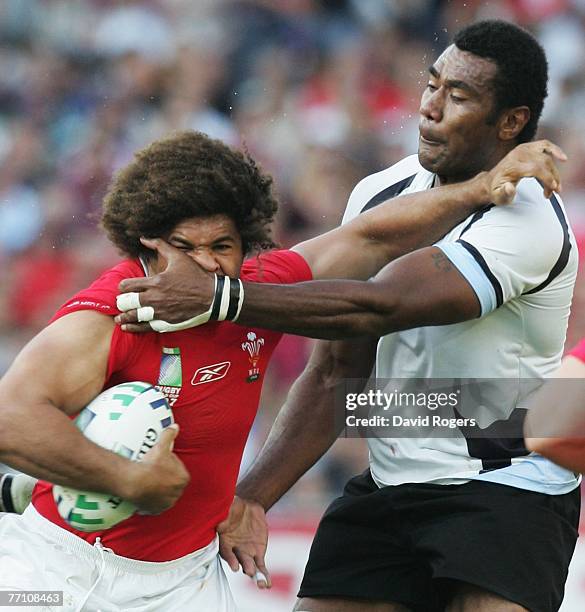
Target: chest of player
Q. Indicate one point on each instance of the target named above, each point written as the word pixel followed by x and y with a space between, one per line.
pixel 212 376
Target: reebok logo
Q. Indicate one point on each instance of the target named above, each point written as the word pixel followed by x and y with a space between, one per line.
pixel 210 373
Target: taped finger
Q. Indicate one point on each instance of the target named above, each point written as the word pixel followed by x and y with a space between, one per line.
pixel 128 301
pixel 260 577
pixel 145 314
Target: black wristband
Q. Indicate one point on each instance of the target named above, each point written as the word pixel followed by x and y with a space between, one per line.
pixel 234 299
pixel 216 304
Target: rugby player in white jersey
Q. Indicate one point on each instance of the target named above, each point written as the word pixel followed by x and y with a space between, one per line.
pixel 456 523
pixel 219 205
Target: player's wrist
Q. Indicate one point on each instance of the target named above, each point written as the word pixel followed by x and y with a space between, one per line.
pixel 228 297
pixel 132 481
pixel 481 189
pixel 253 496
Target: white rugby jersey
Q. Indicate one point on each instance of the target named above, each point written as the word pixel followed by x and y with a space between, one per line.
pixel 521 260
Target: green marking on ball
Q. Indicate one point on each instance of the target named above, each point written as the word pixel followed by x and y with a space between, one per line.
pixel 83 504
pixel 114 416
pixel 125 399
pixel 138 388
pixel 81 520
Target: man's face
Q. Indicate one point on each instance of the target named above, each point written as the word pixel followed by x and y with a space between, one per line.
pixel 455 140
pixel 213 242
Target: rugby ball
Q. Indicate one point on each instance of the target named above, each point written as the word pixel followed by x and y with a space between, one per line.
pixel 128 420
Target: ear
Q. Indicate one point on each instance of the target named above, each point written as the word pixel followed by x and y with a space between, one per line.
pixel 512 122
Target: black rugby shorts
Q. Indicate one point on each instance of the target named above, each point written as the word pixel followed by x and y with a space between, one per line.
pixel 413 543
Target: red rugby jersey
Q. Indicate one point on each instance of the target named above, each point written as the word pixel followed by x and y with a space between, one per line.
pixel 212 376
pixel 579 350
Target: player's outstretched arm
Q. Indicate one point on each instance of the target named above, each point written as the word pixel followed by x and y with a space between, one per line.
pixel 303 431
pixel 58 373
pixel 419 289
pixel 360 248
pixel 363 246
pixel 555 423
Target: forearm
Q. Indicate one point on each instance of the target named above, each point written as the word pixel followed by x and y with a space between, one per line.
pixel 301 434
pixel 415 220
pixel 318 309
pixel 422 288
pixel 43 442
pixel 306 426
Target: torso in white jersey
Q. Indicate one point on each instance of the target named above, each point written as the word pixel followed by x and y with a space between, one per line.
pixel 521 260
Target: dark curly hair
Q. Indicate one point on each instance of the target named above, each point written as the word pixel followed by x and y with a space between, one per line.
pixel 522 75
pixel 183 176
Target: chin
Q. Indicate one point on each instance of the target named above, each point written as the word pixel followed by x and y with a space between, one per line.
pixel 428 162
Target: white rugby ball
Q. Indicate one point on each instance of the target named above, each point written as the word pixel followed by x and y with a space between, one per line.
pixel 128 420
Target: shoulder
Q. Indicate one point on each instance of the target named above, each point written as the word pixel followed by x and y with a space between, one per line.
pixel 527 245
pixel 101 294
pixel 382 185
pixel 531 219
pixel 280 266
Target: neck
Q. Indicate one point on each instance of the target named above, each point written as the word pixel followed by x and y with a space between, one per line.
pixel 499 152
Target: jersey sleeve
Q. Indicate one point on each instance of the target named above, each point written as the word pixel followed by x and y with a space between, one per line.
pixel 579 351
pixel 509 251
pixel 279 267
pixel 101 294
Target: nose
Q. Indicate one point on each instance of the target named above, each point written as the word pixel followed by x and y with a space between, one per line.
pixel 206 259
pixel 431 105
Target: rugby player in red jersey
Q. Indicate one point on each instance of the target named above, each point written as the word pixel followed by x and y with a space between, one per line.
pixel 215 205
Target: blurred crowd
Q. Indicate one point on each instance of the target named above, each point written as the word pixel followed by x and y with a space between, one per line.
pixel 321 92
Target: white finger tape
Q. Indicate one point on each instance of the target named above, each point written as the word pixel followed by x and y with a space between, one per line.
pixel 145 314
pixel 128 301
pixel 258 576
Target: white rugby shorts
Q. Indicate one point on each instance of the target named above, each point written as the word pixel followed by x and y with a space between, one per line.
pixel 36 554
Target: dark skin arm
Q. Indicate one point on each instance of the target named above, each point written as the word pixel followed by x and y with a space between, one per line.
pixel 306 421
pixel 419 289
pixel 356 250
pixel 303 431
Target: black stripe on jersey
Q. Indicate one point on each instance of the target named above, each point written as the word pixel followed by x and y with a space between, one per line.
pixel 389 192
pixel 483 265
pixel 498 443
pixel 477 216
pixel 565 251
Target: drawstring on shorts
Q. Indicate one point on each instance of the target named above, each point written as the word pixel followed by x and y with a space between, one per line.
pixel 102 549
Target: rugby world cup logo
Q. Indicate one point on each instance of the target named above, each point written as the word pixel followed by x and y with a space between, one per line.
pixel 252 347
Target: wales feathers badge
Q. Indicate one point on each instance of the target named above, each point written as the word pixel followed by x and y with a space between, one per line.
pixel 252 346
